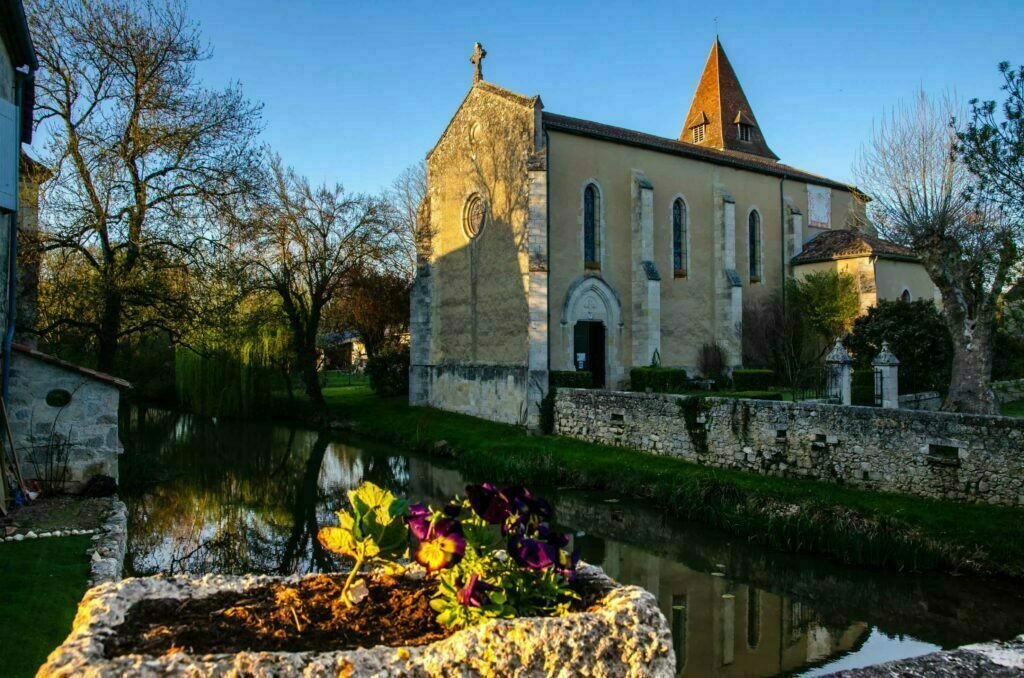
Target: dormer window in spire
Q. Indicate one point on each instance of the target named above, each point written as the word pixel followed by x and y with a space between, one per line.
pixel 699 127
pixel 744 127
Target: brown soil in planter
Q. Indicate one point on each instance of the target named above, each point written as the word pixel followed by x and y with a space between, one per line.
pixel 306 617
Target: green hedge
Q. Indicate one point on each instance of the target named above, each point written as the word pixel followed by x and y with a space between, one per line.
pixel 658 379
pixel 752 380
pixel 756 395
pixel 571 379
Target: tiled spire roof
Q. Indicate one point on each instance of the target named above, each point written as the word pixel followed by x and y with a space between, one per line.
pixel 720 104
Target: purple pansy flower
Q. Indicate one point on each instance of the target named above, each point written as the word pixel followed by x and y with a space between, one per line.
pixel 532 554
pixel 442 546
pixel 472 594
pixel 489 503
pixel 418 520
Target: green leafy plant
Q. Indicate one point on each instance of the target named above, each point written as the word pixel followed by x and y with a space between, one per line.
pixel 493 553
pixel 388 372
pixel 917 335
pixel 373 529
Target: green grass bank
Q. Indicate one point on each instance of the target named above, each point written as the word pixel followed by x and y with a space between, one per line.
pixel 43 580
pixel 852 526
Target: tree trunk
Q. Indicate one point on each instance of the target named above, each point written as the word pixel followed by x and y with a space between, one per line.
pixel 970 385
pixel 110 331
pixel 311 379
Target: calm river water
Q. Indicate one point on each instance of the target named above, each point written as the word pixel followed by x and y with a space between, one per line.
pixel 227 497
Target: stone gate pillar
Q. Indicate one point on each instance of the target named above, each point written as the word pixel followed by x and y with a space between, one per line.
pixel 838 373
pixel 887 388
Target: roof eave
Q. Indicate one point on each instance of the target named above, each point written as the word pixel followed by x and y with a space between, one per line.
pixel 704 154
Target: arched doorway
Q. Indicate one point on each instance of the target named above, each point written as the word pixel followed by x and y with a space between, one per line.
pixel 589 349
pixel 592 327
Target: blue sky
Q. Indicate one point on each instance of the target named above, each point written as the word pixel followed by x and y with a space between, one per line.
pixel 357 91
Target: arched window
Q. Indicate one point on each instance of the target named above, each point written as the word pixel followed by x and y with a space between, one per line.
pixel 906 296
pixel 754 245
pixel 591 219
pixel 679 237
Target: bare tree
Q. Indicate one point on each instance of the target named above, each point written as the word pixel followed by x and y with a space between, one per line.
pixel 406 195
pixel 925 196
pixel 140 153
pixel 303 244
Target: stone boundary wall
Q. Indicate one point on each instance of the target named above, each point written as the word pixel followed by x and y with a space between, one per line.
pixel 927 400
pixel 1009 391
pixel 106 557
pixel 938 455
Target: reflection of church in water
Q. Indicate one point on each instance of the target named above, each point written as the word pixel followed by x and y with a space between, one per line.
pixel 724 628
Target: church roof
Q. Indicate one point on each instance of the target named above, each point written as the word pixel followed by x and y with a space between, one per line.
pixel 720 105
pixel 596 130
pixel 847 244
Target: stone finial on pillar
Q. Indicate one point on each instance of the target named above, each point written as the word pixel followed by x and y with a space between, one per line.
pixel 838 374
pixel 887 388
pixel 478 62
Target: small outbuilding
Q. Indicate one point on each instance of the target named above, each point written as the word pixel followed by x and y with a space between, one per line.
pixel 63 418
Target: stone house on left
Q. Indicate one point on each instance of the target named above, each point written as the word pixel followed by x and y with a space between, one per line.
pixel 49 405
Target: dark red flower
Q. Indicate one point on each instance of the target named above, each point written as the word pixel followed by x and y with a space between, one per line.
pixel 472 594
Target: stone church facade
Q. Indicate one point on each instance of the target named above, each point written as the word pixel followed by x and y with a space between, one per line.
pixel 556 243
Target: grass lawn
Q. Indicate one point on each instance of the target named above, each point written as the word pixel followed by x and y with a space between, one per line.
pixel 854 526
pixel 1014 409
pixel 43 580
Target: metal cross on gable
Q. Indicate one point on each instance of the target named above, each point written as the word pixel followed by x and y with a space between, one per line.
pixel 478 61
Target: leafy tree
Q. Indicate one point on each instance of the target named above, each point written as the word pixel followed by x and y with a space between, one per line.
pixel 917 335
pixel 924 194
pixel 827 302
pixel 141 154
pixel 993 148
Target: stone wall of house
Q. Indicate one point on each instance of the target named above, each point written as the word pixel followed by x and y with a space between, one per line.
pixel 1009 391
pixel 86 426
pixel 932 454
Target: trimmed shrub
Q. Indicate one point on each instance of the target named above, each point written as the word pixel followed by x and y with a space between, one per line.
pixel 570 379
pixel 752 380
pixel 389 372
pixel 756 395
pixel 658 379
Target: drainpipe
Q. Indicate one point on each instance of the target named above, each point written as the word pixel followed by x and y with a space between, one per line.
pixel 782 239
pixel 547 198
pixel 12 248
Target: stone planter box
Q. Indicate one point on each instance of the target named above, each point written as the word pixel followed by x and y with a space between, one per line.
pixel 624 634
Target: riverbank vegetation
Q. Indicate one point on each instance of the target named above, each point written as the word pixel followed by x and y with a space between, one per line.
pixel 852 526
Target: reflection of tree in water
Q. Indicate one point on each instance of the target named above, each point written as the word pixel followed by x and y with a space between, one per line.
pixel 230 497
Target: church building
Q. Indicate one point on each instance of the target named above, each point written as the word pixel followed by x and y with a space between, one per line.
pixel 555 243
